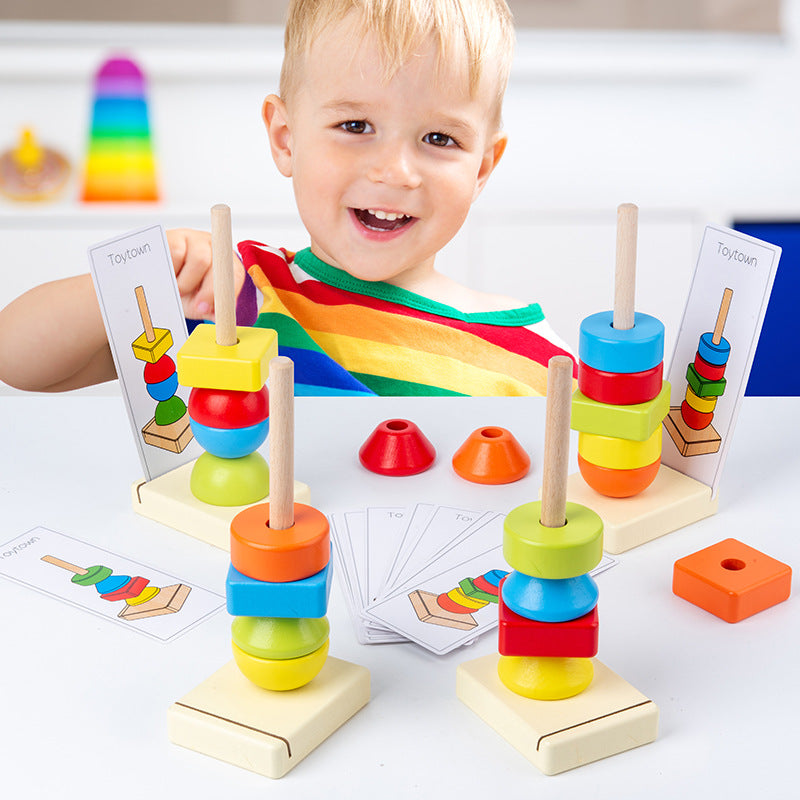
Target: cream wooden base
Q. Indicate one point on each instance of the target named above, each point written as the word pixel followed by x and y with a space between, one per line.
pixel 229 718
pixel 168 499
pixel 557 735
pixel 672 501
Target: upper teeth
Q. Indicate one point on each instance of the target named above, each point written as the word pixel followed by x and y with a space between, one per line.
pixel 390 215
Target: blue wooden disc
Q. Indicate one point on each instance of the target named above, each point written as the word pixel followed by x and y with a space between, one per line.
pixel 603 347
pixel 111 583
pixel 230 442
pixel 163 390
pixel 716 354
pixel 547 599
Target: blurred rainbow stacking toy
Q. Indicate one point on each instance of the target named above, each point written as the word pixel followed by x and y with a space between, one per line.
pixel 120 166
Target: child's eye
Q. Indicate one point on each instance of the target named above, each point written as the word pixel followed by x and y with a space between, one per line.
pixel 439 139
pixel 356 126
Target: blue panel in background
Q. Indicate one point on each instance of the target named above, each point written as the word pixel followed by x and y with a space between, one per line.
pixel 776 367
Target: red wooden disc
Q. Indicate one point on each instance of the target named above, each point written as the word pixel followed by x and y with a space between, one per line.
pixel 711 372
pixel 620 388
pixel 484 585
pixel 448 604
pixel 160 371
pixel 228 408
pixel 697 420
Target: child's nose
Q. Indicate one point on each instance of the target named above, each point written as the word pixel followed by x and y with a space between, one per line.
pixel 395 165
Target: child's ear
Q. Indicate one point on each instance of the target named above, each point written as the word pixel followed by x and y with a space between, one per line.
pixel 276 120
pixel 491 156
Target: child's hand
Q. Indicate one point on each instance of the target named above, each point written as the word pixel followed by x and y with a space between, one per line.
pixel 191 259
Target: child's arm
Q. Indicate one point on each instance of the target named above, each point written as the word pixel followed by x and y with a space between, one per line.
pixel 52 338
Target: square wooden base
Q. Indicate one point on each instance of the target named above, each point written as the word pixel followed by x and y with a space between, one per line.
pixel 428 610
pixel 689 441
pixel 557 735
pixel 168 499
pixel 672 501
pixel 229 718
pixel 173 437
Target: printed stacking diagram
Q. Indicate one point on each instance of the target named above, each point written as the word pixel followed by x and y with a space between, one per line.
pixel 281 696
pixel 169 429
pixel 120 166
pixel 689 425
pixel 618 411
pixel 545 693
pixel 454 609
pixel 141 599
pixel 226 367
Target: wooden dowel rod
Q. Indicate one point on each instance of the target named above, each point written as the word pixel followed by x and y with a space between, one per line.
pixel 625 273
pixel 281 443
pixel 144 313
pixel 556 442
pixel 64 565
pixel 722 315
pixel 222 260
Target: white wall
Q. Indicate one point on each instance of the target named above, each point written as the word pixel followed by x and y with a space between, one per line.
pixel 694 129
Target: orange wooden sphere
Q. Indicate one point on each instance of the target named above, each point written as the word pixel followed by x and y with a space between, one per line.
pixel 618 482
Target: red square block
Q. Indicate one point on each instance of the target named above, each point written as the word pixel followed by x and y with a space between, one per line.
pixel 731 580
pixel 520 636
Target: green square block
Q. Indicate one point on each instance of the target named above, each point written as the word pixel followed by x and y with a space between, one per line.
pixel 243 366
pixel 703 387
pixel 635 422
pixel 471 590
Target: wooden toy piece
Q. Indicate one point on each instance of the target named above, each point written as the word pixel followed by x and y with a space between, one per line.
pixel 556 446
pixel 168 499
pixel 731 580
pixel 521 636
pixel 615 453
pixel 230 443
pixel 224 291
pixel 220 481
pixel 281 445
pixel 397 447
pixel 620 388
pixel 491 456
pixel 545 677
pixel 548 600
pixel 223 408
pixel 230 718
pixel 307 597
pixel 636 422
pixel 609 717
pixel 625 273
pixel 695 439
pixel 31 172
pixel 618 482
pixel 270 637
pixel 428 609
pixel 672 501
pixel 280 674
pixel 608 349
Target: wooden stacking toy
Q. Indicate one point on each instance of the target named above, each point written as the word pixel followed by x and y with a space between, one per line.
pixel 281 696
pixel 689 425
pixel 621 398
pixel 141 599
pixel 545 693
pixel 169 429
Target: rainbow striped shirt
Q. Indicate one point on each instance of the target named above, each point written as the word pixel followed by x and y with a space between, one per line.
pixel 352 337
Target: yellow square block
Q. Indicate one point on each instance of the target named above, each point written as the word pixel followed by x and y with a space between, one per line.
pixel 636 422
pixel 152 351
pixel 609 717
pixel 243 366
pixel 231 719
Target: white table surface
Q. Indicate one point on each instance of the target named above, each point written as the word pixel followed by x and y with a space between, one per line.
pixel 83 701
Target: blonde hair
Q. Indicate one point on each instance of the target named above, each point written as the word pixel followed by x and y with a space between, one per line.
pixel 480 30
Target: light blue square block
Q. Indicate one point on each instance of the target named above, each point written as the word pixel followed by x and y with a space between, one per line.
pixel 308 597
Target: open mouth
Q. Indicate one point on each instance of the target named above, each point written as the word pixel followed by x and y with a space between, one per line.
pixel 377 220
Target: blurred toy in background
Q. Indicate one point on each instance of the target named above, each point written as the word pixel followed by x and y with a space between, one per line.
pixel 32 172
pixel 120 165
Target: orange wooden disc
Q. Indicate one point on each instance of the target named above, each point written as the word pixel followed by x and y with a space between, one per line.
pixel 618 482
pixel 279 556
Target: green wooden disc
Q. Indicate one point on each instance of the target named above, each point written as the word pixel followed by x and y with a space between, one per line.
pixel 271 637
pixel 169 411
pixel 93 575
pixel 230 481
pixel 566 552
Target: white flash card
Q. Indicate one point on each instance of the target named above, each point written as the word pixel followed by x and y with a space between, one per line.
pixel 144 321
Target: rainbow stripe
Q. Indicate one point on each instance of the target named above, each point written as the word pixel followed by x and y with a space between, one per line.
pixel 353 337
pixel 120 165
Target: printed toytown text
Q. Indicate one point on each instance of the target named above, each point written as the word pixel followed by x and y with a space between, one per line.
pixel 129 254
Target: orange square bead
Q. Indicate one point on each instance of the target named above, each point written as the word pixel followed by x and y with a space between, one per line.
pixel 731 580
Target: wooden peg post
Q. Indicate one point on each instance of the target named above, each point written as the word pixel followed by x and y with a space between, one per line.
pixel 65 564
pixel 144 313
pixel 556 442
pixel 722 316
pixel 281 443
pixel 625 275
pixel 222 259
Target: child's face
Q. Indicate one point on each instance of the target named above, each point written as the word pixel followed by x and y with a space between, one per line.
pixel 384 173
